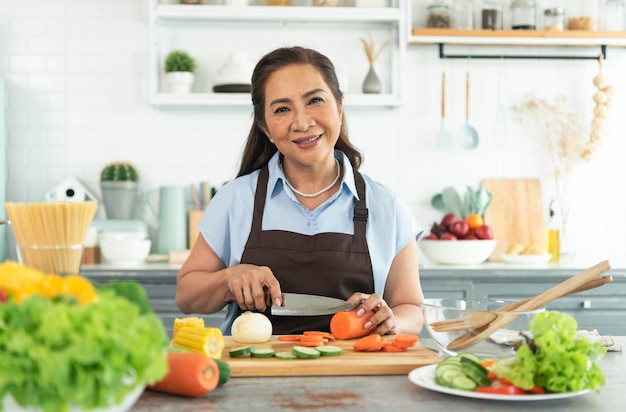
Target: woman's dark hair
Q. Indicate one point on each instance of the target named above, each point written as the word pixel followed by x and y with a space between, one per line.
pixel 259 150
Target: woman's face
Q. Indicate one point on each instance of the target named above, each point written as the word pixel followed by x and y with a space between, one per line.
pixel 301 115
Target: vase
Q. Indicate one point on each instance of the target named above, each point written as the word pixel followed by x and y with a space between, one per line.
pixel 372 82
pixel 563 207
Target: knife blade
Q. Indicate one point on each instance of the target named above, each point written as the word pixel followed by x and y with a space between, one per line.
pixel 296 304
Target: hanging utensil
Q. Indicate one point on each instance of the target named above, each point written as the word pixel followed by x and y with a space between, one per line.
pixel 444 139
pixel 468 136
pixel 499 125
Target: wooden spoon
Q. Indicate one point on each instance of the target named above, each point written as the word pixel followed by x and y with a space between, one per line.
pixel 471 338
pixel 472 321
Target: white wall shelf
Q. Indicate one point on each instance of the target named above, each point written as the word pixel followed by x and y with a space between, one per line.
pixel 358 20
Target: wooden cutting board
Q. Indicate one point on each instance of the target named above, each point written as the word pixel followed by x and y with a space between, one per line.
pixel 515 214
pixel 348 363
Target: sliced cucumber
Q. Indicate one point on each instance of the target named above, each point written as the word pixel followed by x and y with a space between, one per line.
pixel 241 351
pixel 469 356
pixel 475 371
pixel 302 352
pixel 447 377
pixel 263 353
pixel 329 350
pixel 463 383
pixel 285 355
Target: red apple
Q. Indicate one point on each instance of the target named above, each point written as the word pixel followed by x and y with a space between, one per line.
pixel 460 229
pixel 470 237
pixel 448 236
pixel 449 219
pixel 484 232
pixel 432 236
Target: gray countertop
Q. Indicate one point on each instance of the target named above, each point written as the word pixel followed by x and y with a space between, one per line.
pixel 377 393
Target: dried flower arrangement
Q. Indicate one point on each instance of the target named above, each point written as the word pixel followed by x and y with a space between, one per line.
pixel 565 137
pixel 370 48
pixel 562 130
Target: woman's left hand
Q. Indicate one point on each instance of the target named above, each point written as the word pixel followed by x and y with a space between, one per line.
pixel 384 318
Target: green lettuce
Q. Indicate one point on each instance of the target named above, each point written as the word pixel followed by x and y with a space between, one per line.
pixel 554 359
pixel 54 353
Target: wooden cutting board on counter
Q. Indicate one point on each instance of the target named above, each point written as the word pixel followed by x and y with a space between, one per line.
pixel 515 214
pixel 348 363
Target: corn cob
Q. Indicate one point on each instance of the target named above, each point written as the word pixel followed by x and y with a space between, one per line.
pixel 191 321
pixel 21 282
pixel 207 341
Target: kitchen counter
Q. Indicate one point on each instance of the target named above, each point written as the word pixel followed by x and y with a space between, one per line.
pixel 376 393
pixel 603 308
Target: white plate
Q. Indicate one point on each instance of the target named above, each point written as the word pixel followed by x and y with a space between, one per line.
pixel 526 259
pixel 425 377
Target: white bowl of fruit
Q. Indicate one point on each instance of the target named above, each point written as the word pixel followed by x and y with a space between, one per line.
pixel 459 241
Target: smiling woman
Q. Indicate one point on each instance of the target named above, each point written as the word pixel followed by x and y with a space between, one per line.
pixel 301 218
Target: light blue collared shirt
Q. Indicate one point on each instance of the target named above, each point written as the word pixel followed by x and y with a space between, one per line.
pixel 228 218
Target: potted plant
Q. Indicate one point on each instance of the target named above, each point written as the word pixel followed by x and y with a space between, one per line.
pixel 119 182
pixel 179 71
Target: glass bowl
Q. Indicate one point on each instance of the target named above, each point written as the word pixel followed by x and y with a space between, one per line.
pixel 501 343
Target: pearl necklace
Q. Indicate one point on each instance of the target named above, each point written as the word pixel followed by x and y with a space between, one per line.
pixel 326 189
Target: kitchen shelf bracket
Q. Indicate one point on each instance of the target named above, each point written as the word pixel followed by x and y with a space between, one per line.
pixel 443 55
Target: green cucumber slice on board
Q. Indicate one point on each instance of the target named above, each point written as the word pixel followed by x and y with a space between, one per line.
pixel 241 351
pixel 285 355
pixel 263 353
pixel 329 350
pixel 303 352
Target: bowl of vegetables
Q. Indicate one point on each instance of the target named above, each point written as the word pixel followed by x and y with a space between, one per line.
pixel 72 346
pixel 449 320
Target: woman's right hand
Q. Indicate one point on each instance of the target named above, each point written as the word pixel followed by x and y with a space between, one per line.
pixel 252 287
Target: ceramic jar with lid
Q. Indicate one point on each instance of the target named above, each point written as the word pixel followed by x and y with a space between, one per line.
pixel 583 15
pixel 491 15
pixel 524 15
pixel 615 15
pixel 463 14
pixel 554 19
pixel 438 15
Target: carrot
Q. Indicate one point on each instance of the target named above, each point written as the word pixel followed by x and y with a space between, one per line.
pixel 392 348
pixel 367 342
pixel 347 325
pixel 289 338
pixel 311 338
pixel 376 347
pixel 311 343
pixel 190 374
pixel 405 338
pixel 326 335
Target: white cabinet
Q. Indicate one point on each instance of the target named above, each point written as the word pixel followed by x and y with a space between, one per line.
pixel 211 33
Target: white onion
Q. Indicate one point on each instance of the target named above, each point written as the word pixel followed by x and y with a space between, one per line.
pixel 251 327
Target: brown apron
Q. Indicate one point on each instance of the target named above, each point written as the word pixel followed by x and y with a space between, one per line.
pixel 326 264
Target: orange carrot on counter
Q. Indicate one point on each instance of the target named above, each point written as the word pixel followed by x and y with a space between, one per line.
pixel 347 325
pixel 190 374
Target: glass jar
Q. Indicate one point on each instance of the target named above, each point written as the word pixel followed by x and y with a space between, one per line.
pixel 583 15
pixel 554 19
pixel 463 15
pixel 524 15
pixel 491 15
pixel 615 15
pixel 438 15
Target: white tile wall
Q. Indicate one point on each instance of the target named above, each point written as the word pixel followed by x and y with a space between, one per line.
pixel 77 75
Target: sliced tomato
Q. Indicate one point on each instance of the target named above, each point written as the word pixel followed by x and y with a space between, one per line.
pixel 537 390
pixel 501 390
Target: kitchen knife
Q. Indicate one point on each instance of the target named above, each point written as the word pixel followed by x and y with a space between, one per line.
pixel 296 304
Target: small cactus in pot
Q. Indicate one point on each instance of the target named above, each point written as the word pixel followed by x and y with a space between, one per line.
pixel 119 182
pixel 119 171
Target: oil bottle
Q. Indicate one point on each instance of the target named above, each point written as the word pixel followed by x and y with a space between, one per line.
pixel 552 234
